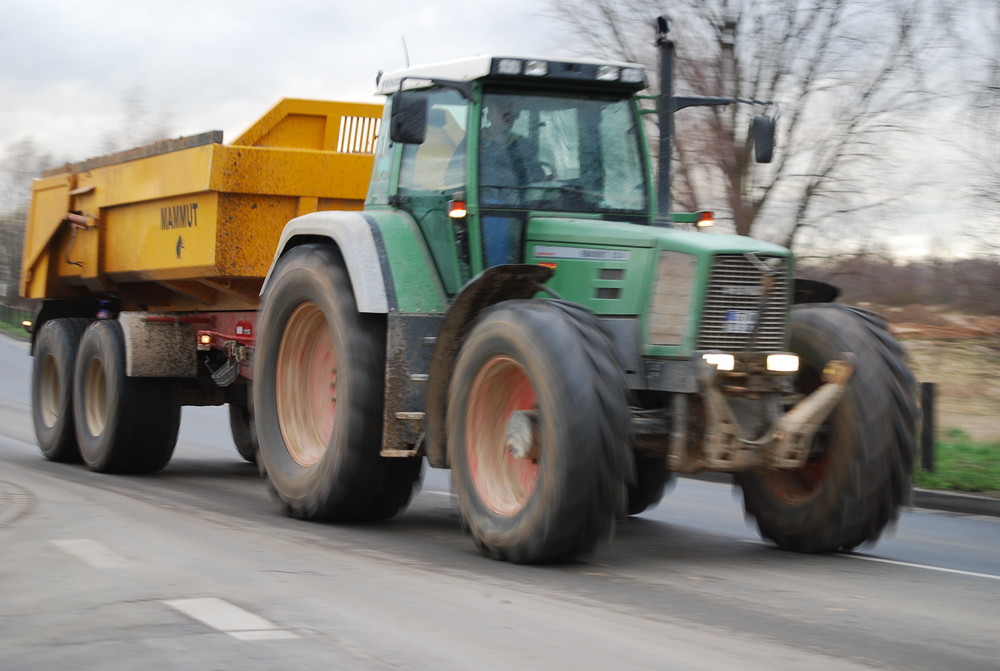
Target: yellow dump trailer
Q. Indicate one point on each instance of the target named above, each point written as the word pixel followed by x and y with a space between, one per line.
pixel 192 224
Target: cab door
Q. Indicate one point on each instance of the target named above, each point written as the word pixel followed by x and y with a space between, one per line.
pixel 432 179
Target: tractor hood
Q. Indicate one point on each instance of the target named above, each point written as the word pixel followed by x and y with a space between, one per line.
pixel 589 233
pixel 619 270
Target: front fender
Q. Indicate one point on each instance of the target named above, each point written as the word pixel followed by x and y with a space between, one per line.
pixel 352 233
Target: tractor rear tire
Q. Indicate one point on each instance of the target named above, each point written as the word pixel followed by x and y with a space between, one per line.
pixel 52 387
pixel 317 396
pixel 123 424
pixel 538 432
pixel 858 474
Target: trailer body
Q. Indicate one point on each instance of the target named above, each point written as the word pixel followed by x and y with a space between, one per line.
pixel 192 223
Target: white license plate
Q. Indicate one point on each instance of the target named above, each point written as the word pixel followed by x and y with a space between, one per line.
pixel 740 321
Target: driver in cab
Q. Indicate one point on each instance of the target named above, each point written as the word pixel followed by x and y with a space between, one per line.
pixel 506 159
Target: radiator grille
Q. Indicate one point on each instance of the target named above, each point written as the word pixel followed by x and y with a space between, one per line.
pixel 733 300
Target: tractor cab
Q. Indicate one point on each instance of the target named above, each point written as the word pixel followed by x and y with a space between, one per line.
pixel 478 148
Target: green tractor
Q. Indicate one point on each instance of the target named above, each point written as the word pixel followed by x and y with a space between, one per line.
pixel 514 303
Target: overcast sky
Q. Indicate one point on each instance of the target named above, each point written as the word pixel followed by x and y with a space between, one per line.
pixel 66 66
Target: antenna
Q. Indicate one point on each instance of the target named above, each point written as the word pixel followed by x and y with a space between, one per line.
pixel 406 52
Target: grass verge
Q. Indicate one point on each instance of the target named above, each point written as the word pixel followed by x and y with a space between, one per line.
pixel 14 330
pixel 962 464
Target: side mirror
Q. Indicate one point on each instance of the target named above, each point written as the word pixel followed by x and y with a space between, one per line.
pixel 408 123
pixel 762 131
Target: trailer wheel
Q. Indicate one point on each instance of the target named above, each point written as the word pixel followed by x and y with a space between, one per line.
pixel 52 387
pixel 538 432
pixel 123 424
pixel 317 396
pixel 858 475
pixel 241 426
pixel 651 478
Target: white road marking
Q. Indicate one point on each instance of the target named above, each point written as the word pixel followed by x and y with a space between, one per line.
pixel 923 566
pixel 896 562
pixel 265 635
pixel 93 553
pixel 225 617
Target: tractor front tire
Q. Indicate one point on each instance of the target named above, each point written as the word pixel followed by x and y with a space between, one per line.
pixel 858 474
pixel 538 432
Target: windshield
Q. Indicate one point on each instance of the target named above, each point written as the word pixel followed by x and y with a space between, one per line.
pixel 560 153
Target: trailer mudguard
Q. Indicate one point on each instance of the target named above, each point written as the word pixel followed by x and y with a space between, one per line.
pixel 158 345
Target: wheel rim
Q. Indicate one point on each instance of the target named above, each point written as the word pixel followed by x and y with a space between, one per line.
pixel 306 387
pixel 503 482
pixel 796 486
pixel 48 392
pixel 95 401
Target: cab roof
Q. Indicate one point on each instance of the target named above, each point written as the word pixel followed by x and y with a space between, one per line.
pixel 628 76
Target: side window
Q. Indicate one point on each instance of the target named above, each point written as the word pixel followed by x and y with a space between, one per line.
pixel 622 161
pixel 439 163
pixel 378 189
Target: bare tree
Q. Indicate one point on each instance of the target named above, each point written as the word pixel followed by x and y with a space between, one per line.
pixel 140 123
pixel 847 75
pixel 985 116
pixel 22 160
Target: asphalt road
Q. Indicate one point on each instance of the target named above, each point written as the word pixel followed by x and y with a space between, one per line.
pixel 193 568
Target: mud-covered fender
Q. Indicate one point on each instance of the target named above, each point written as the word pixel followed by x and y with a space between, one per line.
pixel 814 291
pixel 492 286
pixel 352 233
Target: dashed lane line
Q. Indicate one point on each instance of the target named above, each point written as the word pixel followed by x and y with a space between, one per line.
pixel 93 553
pixel 229 619
pixel 216 613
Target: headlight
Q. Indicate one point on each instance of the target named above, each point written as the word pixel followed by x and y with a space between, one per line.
pixel 633 76
pixel 782 363
pixel 607 73
pixel 536 68
pixel 509 66
pixel 721 361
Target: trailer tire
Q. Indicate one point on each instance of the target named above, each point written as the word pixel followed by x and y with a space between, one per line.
pixel 123 424
pixel 538 432
pixel 52 387
pixel 242 429
pixel 859 474
pixel 317 396
pixel 651 478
